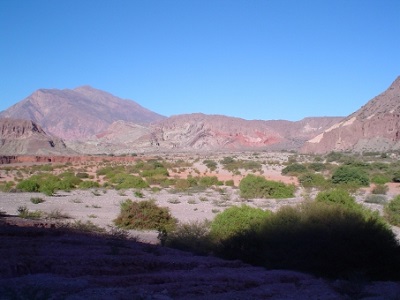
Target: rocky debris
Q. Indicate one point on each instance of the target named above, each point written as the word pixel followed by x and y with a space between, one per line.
pixel 374 127
pixel 78 113
pixel 26 137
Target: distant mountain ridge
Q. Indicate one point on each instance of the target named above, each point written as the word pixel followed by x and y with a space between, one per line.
pixel 374 127
pixel 78 113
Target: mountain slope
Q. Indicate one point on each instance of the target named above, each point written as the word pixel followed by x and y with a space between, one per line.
pixel 78 113
pixel 374 127
pixel 26 137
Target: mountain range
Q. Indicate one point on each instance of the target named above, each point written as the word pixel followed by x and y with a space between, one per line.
pixel 90 121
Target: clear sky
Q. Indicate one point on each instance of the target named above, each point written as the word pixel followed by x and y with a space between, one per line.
pixel 267 59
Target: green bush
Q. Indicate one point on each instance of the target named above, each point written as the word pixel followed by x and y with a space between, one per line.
pixel 235 220
pixel 145 215
pixel 294 169
pixel 313 180
pixel 337 196
pixel 207 181
pixel 258 187
pixel 380 178
pixel 392 211
pixel 326 240
pixel 28 185
pixel 350 175
pixel 230 183
pixel 127 181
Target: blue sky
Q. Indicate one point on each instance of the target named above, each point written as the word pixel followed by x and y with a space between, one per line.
pixel 270 59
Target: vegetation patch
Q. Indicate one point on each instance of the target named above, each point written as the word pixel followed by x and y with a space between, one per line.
pixel 258 187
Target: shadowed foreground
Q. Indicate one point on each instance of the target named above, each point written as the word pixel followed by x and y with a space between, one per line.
pixel 43 263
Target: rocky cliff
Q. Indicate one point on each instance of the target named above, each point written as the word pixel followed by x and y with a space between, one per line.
pixel 374 127
pixel 26 137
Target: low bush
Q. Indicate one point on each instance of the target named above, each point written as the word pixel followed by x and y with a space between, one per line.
pixel 294 169
pixel 380 189
pixel 380 179
pixel 192 237
pixel 376 199
pixel 313 180
pixel 25 213
pixel 145 215
pixel 392 211
pixel 87 184
pixel 207 181
pixel 235 220
pixel 127 181
pixel 37 200
pixel 258 187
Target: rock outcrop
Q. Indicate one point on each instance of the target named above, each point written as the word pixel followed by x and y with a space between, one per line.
pixel 26 137
pixel 374 127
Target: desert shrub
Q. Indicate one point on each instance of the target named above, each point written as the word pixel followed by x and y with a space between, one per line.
pixel 192 237
pixel 145 215
pixel 207 181
pixel 396 176
pixel 235 220
pixel 380 189
pixel 82 175
pixel 87 226
pixel 6 186
pixel 377 199
pixel 258 187
pixel 46 168
pixel 182 184
pixel 127 181
pixel 317 166
pixel 211 164
pixel 327 240
pixel 392 211
pixel 380 178
pixel 230 183
pixel 313 180
pixel 36 200
pixel 87 184
pixel 337 196
pixel 294 169
pixel 334 156
pixel 350 175
pixel 154 172
pixel 28 185
pixel 25 213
